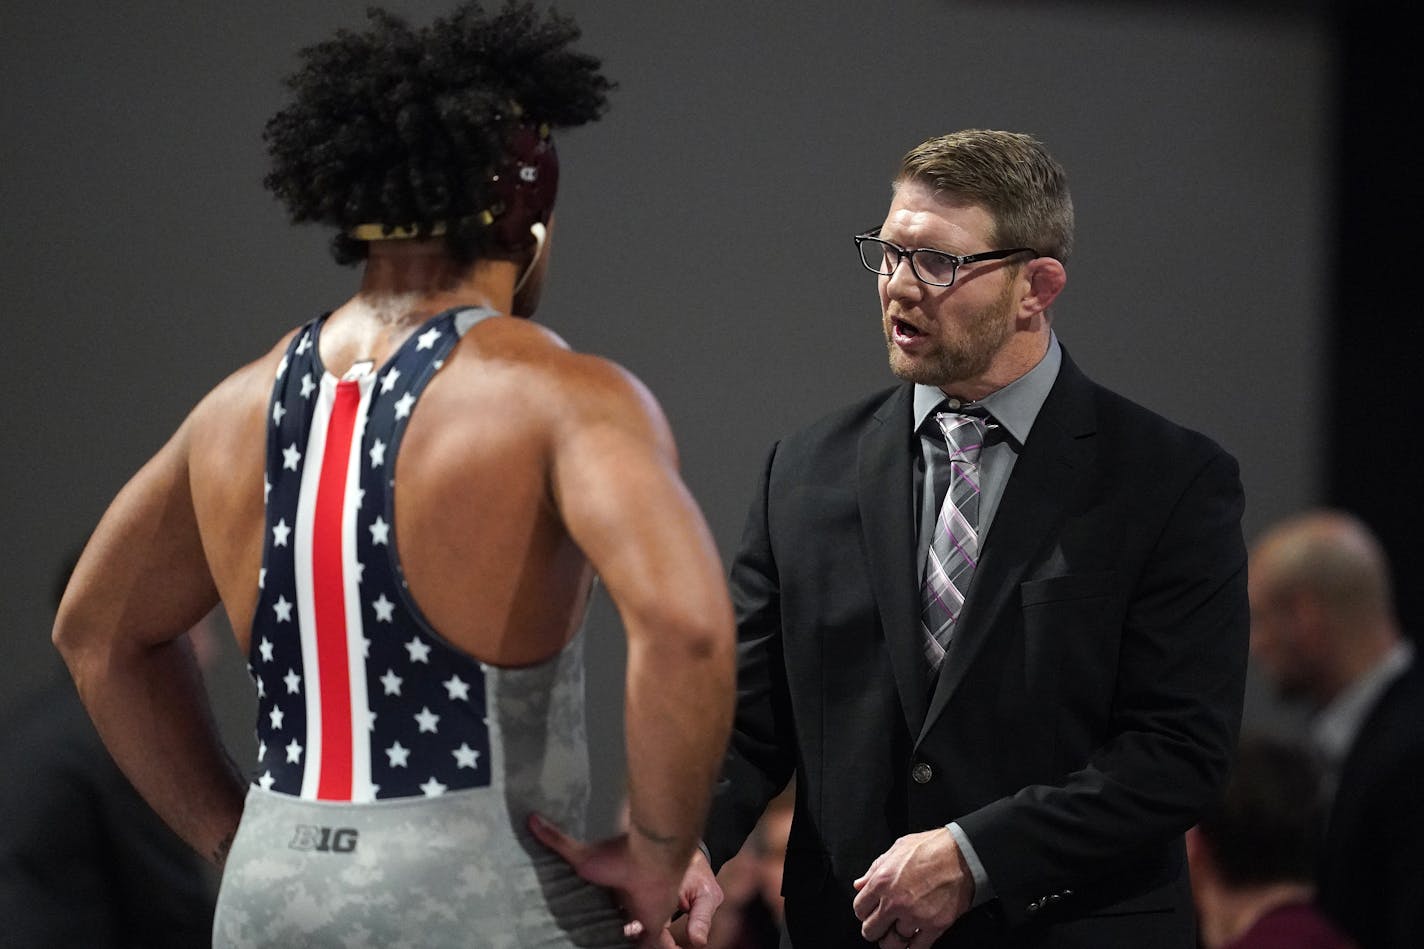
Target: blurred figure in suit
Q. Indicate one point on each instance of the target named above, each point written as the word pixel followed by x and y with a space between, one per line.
pixel 1324 629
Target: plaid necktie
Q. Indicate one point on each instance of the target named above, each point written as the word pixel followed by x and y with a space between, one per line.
pixel 954 548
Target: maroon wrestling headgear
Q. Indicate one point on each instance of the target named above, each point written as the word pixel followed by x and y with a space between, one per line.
pixel 523 189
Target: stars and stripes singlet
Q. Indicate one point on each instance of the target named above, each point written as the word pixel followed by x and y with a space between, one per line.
pixel 395 773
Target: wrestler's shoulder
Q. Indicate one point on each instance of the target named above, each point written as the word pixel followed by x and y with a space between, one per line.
pixel 245 391
pixel 545 366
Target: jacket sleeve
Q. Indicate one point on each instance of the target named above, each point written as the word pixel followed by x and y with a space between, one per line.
pixel 761 755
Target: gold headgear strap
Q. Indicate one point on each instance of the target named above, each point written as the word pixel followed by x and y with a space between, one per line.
pixel 380 232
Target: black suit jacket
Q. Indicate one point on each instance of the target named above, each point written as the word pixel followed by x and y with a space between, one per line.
pixel 1372 874
pixel 1089 701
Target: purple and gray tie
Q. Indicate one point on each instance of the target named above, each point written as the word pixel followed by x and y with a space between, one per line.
pixel 954 548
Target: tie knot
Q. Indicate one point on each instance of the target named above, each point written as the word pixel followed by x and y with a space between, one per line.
pixel 963 434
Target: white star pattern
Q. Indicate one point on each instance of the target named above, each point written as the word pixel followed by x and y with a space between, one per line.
pixel 380 531
pixel 282 366
pixel 427 720
pixel 457 687
pixel 404 404
pixel 465 756
pixel 439 701
pixel 391 682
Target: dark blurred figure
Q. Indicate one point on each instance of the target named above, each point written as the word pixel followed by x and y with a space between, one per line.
pixel 1252 857
pixel 83 860
pixel 1323 627
pixel 752 915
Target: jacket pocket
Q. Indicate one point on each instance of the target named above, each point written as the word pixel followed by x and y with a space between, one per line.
pixel 1075 586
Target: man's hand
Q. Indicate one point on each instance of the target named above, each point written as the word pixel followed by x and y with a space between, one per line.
pixel 699 895
pixel 646 896
pixel 914 891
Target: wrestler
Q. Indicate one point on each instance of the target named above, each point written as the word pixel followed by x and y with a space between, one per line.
pixel 402 507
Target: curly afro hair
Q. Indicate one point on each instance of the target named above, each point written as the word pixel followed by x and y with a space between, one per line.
pixel 406 127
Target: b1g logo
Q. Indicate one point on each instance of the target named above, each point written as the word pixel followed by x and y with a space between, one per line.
pixel 324 839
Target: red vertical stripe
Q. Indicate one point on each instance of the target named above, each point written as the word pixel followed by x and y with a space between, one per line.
pixel 329 598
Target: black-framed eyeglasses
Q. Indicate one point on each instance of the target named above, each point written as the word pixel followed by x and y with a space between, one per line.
pixel 930 266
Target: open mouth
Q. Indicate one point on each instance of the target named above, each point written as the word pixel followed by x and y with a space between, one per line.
pixel 904 330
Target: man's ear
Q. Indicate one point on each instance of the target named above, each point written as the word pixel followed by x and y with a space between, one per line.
pixel 1046 278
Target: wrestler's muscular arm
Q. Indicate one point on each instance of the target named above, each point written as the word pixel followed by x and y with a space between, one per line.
pixel 140 584
pixel 615 482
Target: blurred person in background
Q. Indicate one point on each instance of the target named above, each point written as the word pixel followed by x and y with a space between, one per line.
pixel 1325 631
pixel 84 861
pixel 1252 856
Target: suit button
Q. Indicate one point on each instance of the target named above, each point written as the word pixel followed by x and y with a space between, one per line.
pixel 922 773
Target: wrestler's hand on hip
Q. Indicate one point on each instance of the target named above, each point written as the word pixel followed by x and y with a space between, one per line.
pixel 647 898
pixel 699 895
pixel 914 891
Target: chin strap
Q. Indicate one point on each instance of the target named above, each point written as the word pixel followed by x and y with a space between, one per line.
pixel 540 235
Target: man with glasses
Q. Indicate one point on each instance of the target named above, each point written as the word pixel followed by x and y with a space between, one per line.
pixel 994 619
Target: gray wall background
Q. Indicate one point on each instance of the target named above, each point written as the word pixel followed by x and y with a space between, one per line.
pixel 703 241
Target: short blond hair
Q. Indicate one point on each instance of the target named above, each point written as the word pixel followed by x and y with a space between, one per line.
pixel 1010 174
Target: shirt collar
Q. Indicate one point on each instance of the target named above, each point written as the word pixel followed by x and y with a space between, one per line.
pixel 1335 728
pixel 1016 405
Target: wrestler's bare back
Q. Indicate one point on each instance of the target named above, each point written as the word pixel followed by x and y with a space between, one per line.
pixel 478 527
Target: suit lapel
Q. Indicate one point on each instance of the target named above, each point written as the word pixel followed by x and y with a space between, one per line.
pixel 885 487
pixel 1058 451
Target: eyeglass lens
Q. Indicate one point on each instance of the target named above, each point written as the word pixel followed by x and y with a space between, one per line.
pixel 930 266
